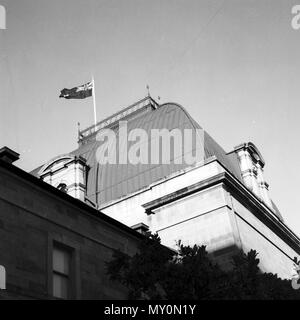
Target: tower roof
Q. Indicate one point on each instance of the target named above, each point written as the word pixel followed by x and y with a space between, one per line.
pixel 108 182
pixel 112 181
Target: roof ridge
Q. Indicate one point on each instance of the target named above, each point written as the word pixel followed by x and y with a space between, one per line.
pixel 118 116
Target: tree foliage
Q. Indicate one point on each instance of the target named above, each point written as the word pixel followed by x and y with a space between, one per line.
pixel 156 272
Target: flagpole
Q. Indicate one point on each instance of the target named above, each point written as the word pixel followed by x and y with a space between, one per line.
pixel 94 102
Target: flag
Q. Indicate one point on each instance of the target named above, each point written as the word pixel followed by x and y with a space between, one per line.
pixel 81 92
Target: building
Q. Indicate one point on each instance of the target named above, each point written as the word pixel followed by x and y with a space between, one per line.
pixel 53 246
pixel 221 200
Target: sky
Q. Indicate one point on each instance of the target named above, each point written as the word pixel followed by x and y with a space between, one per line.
pixel 234 65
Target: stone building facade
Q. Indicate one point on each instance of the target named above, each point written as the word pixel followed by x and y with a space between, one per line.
pixel 53 246
pixel 221 200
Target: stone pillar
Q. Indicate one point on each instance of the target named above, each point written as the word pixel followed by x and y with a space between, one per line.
pixel 248 170
pixel 263 187
pixel 252 164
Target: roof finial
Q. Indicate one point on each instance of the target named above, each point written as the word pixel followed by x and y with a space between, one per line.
pixel 79 133
pixel 148 90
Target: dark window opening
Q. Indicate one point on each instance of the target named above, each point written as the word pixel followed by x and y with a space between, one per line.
pixel 62 187
pixel 62 272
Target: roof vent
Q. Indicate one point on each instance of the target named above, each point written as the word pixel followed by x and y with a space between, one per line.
pixel 8 155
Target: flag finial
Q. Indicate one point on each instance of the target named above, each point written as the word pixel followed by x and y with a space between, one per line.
pixel 148 90
pixel 80 135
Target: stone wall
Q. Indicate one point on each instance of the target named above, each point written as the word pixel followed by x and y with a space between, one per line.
pixel 274 253
pixel 32 217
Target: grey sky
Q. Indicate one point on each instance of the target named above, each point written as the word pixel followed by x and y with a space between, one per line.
pixel 234 65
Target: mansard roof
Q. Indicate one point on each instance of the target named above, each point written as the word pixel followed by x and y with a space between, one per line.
pixel 112 181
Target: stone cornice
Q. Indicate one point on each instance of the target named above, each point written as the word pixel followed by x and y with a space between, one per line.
pixel 181 193
pixel 239 191
pixel 57 195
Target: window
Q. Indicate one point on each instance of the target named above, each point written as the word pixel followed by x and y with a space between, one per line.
pixel 62 273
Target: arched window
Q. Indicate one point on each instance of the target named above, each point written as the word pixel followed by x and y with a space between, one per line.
pixel 62 187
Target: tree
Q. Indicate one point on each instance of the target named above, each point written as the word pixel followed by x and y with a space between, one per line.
pixel 156 272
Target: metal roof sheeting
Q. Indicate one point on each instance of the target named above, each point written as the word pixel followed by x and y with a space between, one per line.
pixel 111 181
